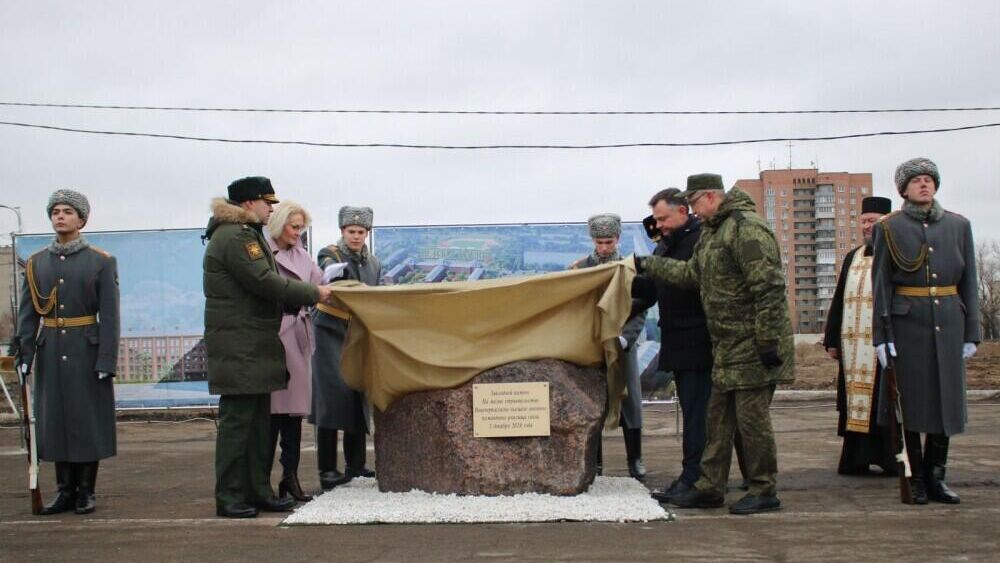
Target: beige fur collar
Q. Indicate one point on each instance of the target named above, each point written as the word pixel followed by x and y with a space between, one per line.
pixel 225 212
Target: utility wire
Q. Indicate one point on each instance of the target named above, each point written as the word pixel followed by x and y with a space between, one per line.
pixel 490 147
pixel 498 112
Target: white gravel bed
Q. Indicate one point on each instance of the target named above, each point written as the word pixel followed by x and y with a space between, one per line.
pixel 609 499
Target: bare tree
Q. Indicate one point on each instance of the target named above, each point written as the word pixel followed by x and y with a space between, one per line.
pixel 988 269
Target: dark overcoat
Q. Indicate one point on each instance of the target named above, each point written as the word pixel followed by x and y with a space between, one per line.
pixel 244 299
pixel 74 410
pixel 928 332
pixel 334 404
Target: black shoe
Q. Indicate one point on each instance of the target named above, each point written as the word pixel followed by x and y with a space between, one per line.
pixel 676 488
pixel 66 498
pixel 330 479
pixel 236 510
pixel 937 491
pixel 364 472
pixel 752 504
pixel 696 498
pixel 918 491
pixel 86 500
pixel 64 501
pixel 636 470
pixel 274 504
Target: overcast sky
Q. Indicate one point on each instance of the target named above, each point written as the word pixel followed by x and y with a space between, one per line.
pixel 507 55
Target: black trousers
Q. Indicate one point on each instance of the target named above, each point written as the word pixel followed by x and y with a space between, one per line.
pixel 694 387
pixel 289 429
pixel 326 450
pixel 934 453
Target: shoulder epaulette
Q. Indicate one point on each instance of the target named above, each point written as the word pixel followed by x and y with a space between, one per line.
pixel 886 216
pixel 576 265
pixel 956 214
pixel 101 251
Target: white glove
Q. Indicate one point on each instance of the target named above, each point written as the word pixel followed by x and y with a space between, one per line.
pixel 24 369
pixel 623 342
pixel 968 350
pixel 103 375
pixel 880 352
pixel 333 271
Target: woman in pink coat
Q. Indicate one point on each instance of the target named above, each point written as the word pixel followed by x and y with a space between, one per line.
pixel 289 405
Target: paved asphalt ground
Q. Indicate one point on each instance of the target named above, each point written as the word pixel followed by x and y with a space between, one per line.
pixel 155 504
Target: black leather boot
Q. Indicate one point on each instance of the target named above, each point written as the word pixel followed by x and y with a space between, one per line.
pixel 633 453
pixel 935 463
pixel 289 486
pixel 918 490
pixel 86 500
pixel 66 490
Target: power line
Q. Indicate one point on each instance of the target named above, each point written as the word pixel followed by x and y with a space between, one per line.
pixel 496 112
pixel 490 147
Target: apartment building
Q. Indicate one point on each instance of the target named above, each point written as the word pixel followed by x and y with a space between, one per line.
pixel 814 216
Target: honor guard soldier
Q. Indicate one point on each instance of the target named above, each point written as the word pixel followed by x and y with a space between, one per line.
pixel 848 340
pixel 605 230
pixel 927 317
pixel 68 334
pixel 336 406
pixel 245 298
pixel 737 269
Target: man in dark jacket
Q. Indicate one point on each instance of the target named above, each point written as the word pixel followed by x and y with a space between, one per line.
pixel 925 285
pixel 244 296
pixel 685 346
pixel 71 290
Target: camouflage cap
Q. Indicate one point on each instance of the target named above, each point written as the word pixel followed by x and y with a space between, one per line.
pixel 699 182
pixel 360 216
pixel 605 225
pixel 915 167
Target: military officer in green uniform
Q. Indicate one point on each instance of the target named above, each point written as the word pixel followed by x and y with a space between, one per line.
pixel 926 311
pixel 244 301
pixel 70 289
pixel 737 269
pixel 606 230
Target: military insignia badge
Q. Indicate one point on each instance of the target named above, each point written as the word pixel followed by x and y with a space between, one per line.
pixel 254 251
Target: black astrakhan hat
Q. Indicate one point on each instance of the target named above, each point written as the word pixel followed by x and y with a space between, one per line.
pixel 875 204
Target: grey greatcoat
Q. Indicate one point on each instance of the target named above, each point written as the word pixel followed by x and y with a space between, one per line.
pixel 928 332
pixel 75 410
pixel 335 405
pixel 632 402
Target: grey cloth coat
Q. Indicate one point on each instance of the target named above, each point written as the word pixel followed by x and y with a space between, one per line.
pixel 632 402
pixel 75 411
pixel 334 404
pixel 928 332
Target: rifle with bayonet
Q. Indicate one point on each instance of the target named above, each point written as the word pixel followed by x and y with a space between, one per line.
pixel 897 435
pixel 28 434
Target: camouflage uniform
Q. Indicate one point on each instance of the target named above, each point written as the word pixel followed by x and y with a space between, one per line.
pixel 737 267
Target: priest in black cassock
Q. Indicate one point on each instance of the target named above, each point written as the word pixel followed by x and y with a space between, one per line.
pixel 848 339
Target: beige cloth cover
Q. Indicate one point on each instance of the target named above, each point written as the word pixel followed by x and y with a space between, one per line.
pixel 409 338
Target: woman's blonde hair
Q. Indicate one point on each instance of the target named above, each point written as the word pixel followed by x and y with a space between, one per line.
pixel 282 213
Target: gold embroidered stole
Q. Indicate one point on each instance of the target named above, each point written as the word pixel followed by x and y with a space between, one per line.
pixel 857 352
